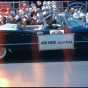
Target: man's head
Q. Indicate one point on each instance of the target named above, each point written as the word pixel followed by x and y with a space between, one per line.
pixel 49 20
pixel 39 4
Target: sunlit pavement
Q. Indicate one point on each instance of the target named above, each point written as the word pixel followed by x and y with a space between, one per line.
pixel 50 74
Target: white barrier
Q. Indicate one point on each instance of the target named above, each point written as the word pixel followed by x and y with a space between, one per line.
pixel 8 26
pixel 54 42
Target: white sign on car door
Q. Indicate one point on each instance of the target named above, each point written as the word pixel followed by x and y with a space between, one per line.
pixel 54 42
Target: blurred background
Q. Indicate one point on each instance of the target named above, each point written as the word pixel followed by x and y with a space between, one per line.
pixel 29 55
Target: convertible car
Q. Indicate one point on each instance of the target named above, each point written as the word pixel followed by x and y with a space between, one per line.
pixel 23 45
pixel 19 44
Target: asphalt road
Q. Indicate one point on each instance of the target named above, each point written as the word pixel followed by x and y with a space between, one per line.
pixel 51 74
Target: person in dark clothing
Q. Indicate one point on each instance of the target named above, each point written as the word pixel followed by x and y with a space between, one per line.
pixel 4 20
pixel 50 21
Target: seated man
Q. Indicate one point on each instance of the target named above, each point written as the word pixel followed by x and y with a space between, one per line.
pixel 50 22
pixel 51 25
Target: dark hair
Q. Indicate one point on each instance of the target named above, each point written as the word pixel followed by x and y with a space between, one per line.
pixel 33 13
pixel 39 6
pixel 4 20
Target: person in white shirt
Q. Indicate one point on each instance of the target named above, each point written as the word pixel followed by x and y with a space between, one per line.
pixel 87 20
pixel 76 14
pixel 87 17
pixel 17 17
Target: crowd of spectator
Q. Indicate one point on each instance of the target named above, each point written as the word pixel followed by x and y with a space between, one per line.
pixel 29 16
pixel 34 15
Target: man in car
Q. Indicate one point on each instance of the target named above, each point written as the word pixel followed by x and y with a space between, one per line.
pixel 50 25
